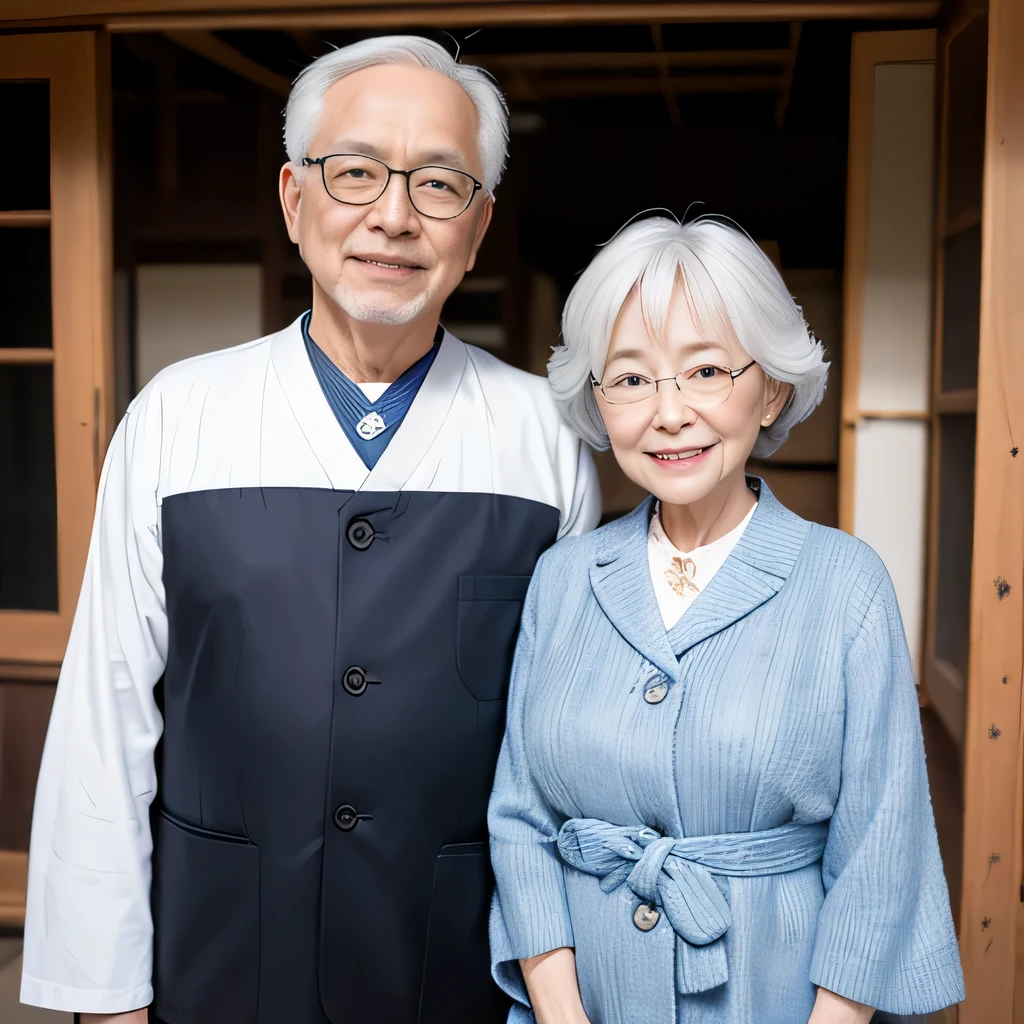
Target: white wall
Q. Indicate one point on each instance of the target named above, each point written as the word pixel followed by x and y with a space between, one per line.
pixel 184 310
pixel 894 383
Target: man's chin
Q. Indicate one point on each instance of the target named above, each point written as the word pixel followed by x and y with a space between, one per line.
pixel 383 311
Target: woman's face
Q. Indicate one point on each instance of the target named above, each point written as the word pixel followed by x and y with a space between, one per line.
pixel 682 446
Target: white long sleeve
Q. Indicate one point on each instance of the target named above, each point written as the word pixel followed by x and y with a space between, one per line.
pixel 88 930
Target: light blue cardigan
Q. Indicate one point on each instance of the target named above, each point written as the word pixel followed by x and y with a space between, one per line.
pixel 772 809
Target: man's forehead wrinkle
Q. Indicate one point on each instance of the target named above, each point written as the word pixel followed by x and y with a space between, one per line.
pixel 427 155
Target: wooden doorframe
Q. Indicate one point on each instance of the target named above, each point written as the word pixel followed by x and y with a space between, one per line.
pixel 77 66
pixel 992 916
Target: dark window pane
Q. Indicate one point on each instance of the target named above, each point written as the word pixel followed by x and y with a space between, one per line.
pixel 25 169
pixel 965 153
pixel 25 288
pixel 28 490
pixel 961 309
pixel 956 540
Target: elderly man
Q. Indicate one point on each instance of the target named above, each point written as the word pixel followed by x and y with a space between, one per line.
pixel 306 575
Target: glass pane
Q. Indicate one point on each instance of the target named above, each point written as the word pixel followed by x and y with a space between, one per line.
pixel 25 288
pixel 28 490
pixel 956 540
pixel 25 168
pixel 965 155
pixel 961 309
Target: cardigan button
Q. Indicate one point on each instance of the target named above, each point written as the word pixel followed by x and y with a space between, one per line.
pixel 645 917
pixel 656 690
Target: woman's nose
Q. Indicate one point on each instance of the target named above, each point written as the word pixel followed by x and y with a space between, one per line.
pixel 673 410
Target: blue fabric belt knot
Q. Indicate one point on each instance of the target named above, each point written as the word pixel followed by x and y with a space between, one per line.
pixel 676 875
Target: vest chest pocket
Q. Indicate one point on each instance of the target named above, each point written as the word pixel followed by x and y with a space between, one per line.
pixel 489 610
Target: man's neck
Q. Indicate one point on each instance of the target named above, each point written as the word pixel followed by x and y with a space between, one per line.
pixel 369 353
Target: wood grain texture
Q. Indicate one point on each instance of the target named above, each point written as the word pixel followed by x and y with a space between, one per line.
pixel 991 915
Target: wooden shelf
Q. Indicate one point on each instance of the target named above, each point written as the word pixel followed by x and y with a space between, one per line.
pixel 24 218
pixel 957 401
pixel 26 356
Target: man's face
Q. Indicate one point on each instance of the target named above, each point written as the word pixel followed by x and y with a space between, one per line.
pixel 407 117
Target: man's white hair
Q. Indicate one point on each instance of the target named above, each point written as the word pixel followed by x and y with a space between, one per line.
pixel 733 289
pixel 305 102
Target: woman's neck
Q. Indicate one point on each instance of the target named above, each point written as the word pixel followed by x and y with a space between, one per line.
pixel 692 526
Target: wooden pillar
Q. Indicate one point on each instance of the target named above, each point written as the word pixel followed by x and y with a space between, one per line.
pixel 992 918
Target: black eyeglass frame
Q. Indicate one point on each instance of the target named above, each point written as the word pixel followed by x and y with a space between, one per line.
pixel 659 380
pixel 309 161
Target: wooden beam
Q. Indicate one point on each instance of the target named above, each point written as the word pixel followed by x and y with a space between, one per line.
pixel 309 42
pixel 786 84
pixel 207 45
pixel 992 917
pixel 583 88
pixel 24 218
pixel 159 15
pixel 25 356
pixel 664 75
pixel 500 62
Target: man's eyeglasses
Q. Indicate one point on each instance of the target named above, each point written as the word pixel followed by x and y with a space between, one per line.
pixel 702 386
pixel 441 193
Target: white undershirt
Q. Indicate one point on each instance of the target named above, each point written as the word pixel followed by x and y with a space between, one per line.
pixel 679 576
pixel 373 391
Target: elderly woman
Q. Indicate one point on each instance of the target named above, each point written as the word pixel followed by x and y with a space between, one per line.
pixel 711 803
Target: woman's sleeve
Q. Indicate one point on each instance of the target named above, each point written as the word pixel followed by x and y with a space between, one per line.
pixel 529 914
pixel 885 933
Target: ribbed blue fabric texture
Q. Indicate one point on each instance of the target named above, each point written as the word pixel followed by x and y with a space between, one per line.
pixel 350 405
pixel 791 699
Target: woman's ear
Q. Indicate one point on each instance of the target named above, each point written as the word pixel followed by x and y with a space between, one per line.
pixel 776 394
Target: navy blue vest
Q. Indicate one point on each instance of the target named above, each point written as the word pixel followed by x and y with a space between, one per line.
pixel 334 702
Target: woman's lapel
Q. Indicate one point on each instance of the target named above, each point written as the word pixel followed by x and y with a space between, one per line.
pixel 621 580
pixel 753 573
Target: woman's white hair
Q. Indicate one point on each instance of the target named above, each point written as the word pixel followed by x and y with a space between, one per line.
pixel 732 289
pixel 302 115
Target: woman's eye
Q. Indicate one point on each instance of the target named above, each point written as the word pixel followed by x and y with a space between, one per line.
pixel 705 372
pixel 631 380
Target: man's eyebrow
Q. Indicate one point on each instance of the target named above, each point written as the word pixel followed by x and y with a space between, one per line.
pixel 448 157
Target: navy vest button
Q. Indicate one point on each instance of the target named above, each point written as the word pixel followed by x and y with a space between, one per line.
pixel 346 819
pixel 360 534
pixel 354 680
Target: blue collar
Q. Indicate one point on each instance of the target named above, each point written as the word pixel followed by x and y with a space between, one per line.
pixel 369 426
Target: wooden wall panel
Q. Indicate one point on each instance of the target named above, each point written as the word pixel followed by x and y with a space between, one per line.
pixel 24 716
pixel 992 916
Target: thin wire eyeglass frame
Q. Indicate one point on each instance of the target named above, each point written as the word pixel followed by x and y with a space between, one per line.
pixel 733 374
pixel 309 161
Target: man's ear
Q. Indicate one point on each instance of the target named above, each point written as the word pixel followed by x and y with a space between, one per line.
pixel 290 193
pixel 481 230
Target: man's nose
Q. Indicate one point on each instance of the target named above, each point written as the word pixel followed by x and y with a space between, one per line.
pixel 393 212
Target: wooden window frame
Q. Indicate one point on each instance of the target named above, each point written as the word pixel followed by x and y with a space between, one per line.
pixel 77 66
